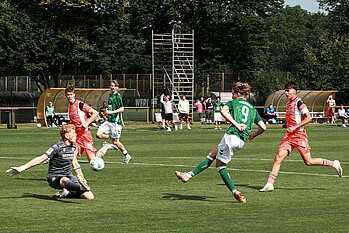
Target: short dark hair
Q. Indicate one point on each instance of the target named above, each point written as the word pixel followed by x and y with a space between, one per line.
pixel 115 82
pixel 70 89
pixel 291 85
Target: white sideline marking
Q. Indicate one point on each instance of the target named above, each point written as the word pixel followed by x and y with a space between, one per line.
pixel 231 169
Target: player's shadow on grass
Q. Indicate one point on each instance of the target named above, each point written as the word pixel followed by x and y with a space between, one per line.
pixel 45 197
pixel 30 179
pixel 281 188
pixel 179 197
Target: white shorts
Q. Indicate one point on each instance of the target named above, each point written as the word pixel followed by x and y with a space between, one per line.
pixel 112 128
pixel 218 116
pixel 226 148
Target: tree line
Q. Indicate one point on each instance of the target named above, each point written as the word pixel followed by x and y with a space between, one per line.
pixel 258 41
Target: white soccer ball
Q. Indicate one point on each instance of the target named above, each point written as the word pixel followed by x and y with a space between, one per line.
pixel 38 125
pixel 97 164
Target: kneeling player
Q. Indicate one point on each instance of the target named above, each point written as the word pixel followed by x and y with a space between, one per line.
pixel 242 115
pixel 61 156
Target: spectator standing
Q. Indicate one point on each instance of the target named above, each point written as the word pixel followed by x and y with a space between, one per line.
pixel 330 110
pixel 201 108
pixel 183 108
pixel 209 111
pixel 165 100
pixel 177 28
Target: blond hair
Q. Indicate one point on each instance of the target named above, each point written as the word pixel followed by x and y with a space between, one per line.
pixel 242 88
pixel 66 129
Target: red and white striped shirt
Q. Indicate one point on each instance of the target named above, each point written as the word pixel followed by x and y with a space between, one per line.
pixel 78 112
pixel 295 110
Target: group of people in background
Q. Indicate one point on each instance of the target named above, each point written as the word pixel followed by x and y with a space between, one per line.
pixel 167 112
pixel 343 114
pixel 210 112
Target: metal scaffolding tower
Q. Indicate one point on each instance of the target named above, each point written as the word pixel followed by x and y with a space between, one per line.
pixel 172 67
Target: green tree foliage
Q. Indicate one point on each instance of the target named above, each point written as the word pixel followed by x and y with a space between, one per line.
pixel 326 66
pixel 73 37
pixel 228 34
pixel 15 37
pixel 338 11
pixel 258 41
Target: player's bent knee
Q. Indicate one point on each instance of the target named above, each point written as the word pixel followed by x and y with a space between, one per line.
pixel 62 181
pixel 308 162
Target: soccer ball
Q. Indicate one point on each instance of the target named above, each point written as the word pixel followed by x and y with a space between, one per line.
pixel 38 125
pixel 97 164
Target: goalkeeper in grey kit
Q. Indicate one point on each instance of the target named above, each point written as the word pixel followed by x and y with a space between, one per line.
pixel 61 156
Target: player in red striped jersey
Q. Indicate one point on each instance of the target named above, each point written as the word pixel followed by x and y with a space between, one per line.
pixel 78 114
pixel 297 116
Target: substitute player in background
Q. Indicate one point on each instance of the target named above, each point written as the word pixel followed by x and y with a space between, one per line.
pixel 183 108
pixel 242 115
pixel 61 156
pixel 114 122
pixel 331 109
pixel 79 116
pixel 218 105
pixel 297 116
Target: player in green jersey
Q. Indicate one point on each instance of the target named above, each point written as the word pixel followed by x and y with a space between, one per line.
pixel 114 122
pixel 242 115
pixel 218 105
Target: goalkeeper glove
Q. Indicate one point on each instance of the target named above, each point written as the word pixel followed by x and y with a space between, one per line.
pixel 15 170
pixel 83 183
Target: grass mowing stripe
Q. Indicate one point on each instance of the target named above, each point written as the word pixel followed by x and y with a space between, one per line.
pixel 146 196
pixel 194 158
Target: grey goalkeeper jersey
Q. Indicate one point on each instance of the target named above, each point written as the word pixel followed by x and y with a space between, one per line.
pixel 61 157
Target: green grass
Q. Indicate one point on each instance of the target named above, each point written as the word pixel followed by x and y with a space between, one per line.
pixel 145 196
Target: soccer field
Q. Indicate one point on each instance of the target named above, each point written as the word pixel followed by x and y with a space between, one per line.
pixel 146 196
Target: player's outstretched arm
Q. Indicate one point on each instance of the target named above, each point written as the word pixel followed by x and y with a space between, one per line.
pixel 78 172
pixel 119 110
pixel 261 129
pixel 36 161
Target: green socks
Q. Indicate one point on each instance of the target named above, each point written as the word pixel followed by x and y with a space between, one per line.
pixel 226 177
pixel 203 165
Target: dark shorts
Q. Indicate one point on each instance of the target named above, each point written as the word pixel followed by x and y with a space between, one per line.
pixel 169 116
pixel 53 180
pixel 163 115
pixel 177 39
pixel 183 116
